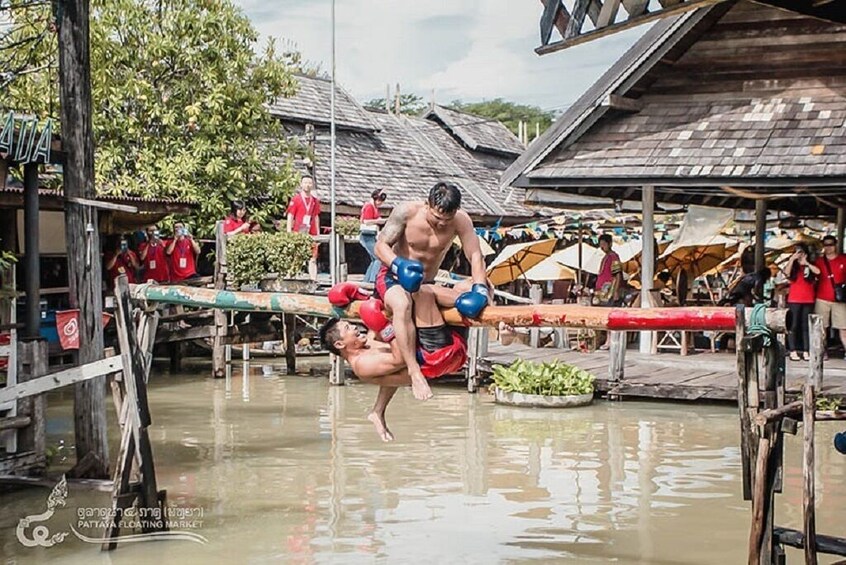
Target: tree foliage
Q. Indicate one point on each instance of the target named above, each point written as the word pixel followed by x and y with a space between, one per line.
pixel 179 100
pixel 509 113
pixel 410 104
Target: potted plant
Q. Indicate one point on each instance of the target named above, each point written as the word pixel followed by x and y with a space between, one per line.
pixel 347 227
pixel 551 384
pixel 272 261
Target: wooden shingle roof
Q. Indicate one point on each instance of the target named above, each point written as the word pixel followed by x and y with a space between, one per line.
pixel 405 158
pixel 312 105
pixel 477 133
pixel 720 104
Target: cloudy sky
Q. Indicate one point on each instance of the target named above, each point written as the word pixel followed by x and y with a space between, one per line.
pixel 463 49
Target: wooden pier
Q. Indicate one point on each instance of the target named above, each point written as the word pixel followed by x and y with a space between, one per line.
pixel 700 376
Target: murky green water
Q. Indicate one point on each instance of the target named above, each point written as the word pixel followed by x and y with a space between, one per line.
pixel 287 469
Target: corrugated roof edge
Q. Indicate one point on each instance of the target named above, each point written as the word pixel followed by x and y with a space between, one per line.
pixel 656 39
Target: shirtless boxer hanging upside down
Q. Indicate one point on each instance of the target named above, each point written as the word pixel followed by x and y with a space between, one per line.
pixel 411 247
pixel 375 358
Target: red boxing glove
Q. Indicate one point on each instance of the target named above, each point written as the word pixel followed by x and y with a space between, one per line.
pixel 344 293
pixel 374 318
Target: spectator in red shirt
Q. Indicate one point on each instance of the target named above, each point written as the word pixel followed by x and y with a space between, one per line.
pixel 236 222
pixel 153 257
pixel 304 217
pixel 182 250
pixel 800 299
pixel 121 260
pixel 832 266
pixel 370 222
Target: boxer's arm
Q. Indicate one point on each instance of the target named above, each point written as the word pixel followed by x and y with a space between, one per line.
pixel 472 249
pixel 391 234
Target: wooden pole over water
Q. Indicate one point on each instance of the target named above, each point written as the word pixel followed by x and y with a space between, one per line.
pixel 524 315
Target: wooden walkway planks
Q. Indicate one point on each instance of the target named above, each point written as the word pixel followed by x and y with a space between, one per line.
pixel 700 376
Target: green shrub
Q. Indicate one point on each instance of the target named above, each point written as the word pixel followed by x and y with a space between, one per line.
pixel 347 226
pixel 552 378
pixel 251 257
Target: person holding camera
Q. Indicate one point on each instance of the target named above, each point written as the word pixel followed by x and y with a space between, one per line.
pixel 121 260
pixel 182 250
pixel 801 296
pixel 153 257
pixel 370 222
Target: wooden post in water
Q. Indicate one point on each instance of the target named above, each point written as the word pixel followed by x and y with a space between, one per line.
pixel 290 322
pixel 816 332
pixel 617 356
pixel 535 293
pixel 336 373
pixel 745 365
pixel 32 360
pixel 81 226
pixel 218 352
pixel 135 458
pixel 809 408
pixel 477 348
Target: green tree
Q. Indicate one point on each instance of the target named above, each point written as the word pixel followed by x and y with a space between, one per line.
pixel 179 100
pixel 410 104
pixel 509 113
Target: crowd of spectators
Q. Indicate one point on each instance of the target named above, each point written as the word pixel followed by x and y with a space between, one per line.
pixel 152 258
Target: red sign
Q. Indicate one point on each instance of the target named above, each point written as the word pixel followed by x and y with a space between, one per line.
pixel 67 326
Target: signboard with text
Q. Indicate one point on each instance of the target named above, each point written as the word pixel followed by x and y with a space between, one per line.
pixel 25 139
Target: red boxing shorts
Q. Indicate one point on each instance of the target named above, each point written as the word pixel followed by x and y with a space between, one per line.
pixel 385 279
pixel 447 359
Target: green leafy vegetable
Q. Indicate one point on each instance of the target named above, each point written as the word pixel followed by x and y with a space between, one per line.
pixel 551 378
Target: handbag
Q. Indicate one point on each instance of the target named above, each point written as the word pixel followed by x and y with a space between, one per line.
pixel 839 288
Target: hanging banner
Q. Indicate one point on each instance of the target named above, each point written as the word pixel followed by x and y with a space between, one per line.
pixel 67 326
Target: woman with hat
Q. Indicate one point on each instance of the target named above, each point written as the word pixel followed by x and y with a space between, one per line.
pixel 370 222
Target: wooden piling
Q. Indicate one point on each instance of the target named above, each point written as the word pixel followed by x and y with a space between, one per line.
pixel 535 294
pixel 218 353
pixel 290 322
pixel 816 331
pixel 33 365
pixel 808 498
pixel 617 356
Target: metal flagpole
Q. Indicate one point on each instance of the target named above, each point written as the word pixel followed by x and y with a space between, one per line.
pixel 333 243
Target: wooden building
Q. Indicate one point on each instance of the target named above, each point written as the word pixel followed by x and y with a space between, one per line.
pixel 404 155
pixel 736 104
pixel 722 106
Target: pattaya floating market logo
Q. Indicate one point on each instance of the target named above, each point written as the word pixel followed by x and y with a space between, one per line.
pixel 32 532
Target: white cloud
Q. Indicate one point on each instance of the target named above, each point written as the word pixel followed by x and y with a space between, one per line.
pixel 468 49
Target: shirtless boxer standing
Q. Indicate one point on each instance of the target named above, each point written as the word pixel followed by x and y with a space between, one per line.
pixel 411 247
pixel 376 358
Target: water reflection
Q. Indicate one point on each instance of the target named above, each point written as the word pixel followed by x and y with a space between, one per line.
pixel 291 470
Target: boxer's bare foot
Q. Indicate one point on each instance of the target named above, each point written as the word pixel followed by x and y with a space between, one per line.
pixel 381 426
pixel 420 387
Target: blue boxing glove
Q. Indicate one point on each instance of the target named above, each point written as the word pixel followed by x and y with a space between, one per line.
pixel 471 303
pixel 409 273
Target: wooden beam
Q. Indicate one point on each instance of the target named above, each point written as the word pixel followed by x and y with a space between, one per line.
pixel 608 13
pixel 623 103
pixel 62 378
pixel 635 8
pixel 624 25
pixel 554 13
pixel 102 205
pixel 574 27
